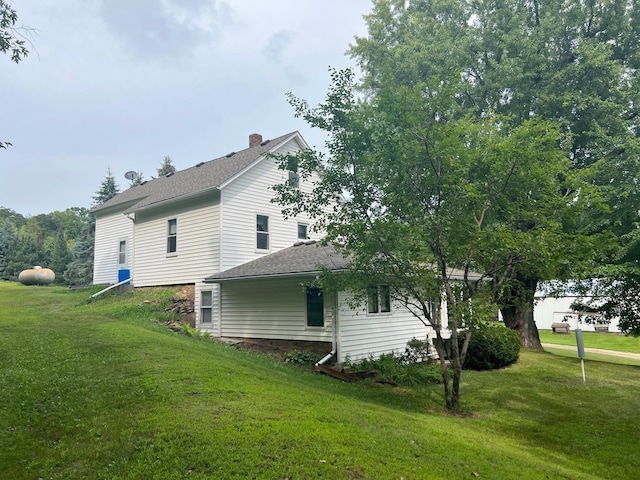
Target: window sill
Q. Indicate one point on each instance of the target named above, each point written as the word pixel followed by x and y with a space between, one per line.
pixel 172 254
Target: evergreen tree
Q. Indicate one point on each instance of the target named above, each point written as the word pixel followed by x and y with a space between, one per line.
pixel 24 254
pixel 80 271
pixel 108 189
pixel 138 179
pixel 60 256
pixel 166 167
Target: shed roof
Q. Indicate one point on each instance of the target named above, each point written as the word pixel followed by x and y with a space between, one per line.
pixel 192 181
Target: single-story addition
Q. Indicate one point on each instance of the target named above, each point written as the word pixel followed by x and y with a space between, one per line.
pixel 272 298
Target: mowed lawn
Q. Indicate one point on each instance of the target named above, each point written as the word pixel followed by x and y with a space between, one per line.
pixel 99 390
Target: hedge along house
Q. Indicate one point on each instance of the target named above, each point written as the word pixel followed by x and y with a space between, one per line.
pixel 179 228
pixel 273 297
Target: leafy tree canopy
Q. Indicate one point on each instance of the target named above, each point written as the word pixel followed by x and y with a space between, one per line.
pixel 428 199
pixel 571 62
pixel 10 39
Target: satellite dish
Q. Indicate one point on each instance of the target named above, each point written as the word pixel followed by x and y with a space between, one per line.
pixel 130 175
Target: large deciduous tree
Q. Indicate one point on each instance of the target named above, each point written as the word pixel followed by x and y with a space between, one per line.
pixel 429 201
pixel 568 61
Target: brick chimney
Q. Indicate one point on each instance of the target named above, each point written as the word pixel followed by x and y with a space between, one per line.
pixel 255 139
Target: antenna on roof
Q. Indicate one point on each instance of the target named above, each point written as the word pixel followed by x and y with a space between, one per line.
pixel 130 175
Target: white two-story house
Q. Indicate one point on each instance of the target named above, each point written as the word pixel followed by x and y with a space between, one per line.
pixel 214 226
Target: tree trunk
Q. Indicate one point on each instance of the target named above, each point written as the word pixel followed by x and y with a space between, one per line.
pixel 451 395
pixel 518 314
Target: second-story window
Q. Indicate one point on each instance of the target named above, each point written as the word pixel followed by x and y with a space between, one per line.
pixel 302 231
pixel 262 232
pixel 172 235
pixel 294 179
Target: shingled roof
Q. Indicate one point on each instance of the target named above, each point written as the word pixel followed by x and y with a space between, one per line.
pixel 192 181
pixel 302 258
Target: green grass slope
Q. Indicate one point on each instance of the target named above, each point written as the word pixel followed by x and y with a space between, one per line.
pixel 100 391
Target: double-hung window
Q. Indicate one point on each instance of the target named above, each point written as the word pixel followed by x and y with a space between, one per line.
pixel 172 235
pixel 262 232
pixel 206 307
pixel 379 299
pixel 122 252
pixel 294 179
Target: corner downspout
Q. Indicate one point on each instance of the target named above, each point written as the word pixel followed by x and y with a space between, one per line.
pixel 334 340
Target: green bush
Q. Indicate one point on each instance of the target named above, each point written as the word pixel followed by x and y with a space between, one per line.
pixel 302 357
pixel 492 346
pixel 409 369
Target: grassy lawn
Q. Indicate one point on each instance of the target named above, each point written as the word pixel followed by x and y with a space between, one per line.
pixel 100 391
pixel 608 341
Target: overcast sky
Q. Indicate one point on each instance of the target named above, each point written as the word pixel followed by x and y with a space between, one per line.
pixel 119 84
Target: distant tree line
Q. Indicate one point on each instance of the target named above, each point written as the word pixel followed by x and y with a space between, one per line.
pixel 62 240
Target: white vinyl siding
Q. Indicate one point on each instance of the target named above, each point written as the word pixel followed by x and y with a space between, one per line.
pixel 250 195
pixel 110 231
pixel 361 335
pixel 271 309
pixel 198 245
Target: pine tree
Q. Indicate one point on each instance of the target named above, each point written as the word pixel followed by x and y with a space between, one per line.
pixel 60 255
pixel 24 254
pixel 108 190
pixel 138 179
pixel 166 167
pixel 80 271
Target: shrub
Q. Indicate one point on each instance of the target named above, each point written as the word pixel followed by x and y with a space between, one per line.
pixel 302 357
pixel 417 351
pixel 409 369
pixel 492 346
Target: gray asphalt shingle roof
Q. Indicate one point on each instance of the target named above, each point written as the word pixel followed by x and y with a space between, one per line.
pixel 192 181
pixel 302 258
pixel 296 260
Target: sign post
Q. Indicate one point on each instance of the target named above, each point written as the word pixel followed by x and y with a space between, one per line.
pixel 580 344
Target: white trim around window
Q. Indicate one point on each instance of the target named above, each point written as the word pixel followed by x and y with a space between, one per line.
pixel 122 252
pixel 262 232
pixel 206 308
pixel 172 236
